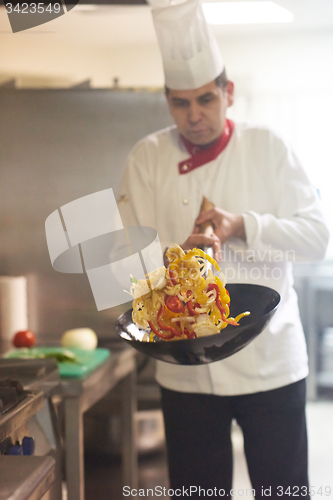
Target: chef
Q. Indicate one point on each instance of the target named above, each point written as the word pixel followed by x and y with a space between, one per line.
pixel 266 216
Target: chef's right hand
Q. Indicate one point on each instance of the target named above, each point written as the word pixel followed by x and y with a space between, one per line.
pixel 199 240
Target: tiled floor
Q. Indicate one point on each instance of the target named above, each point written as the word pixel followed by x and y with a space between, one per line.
pixel 103 475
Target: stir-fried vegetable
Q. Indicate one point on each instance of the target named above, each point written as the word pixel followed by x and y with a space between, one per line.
pixel 179 302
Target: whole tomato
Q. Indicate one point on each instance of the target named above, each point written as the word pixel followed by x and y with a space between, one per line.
pixel 24 339
pixel 174 304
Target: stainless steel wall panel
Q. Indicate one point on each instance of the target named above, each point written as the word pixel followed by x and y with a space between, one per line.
pixel 57 146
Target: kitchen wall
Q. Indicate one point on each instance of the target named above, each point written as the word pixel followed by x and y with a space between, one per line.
pixel 57 146
pixel 283 76
pixel 120 42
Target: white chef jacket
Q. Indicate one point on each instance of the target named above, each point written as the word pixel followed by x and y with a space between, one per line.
pixel 257 176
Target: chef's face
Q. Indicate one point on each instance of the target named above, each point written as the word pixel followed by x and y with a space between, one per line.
pixel 200 113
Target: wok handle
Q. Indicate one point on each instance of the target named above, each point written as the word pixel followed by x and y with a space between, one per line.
pixel 207 229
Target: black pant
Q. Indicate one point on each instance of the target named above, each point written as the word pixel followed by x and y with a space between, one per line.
pixel 275 441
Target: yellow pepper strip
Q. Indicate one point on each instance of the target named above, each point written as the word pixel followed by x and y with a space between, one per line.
pixel 221 287
pixel 190 254
pixel 215 313
pixel 201 253
pixel 197 252
pixel 202 298
pixel 201 285
pixel 240 316
pixel 169 314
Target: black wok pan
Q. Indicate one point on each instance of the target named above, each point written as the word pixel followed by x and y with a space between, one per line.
pixel 261 301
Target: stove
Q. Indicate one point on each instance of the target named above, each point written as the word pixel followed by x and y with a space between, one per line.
pixel 11 393
pixel 28 427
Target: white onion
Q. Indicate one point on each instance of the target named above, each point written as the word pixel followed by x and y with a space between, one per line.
pixel 204 326
pixel 157 278
pixel 203 270
pixel 189 319
pixel 212 296
pixel 80 338
pixel 172 290
pixel 184 299
pixel 200 310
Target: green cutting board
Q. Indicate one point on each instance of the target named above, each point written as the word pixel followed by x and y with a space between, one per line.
pixel 86 360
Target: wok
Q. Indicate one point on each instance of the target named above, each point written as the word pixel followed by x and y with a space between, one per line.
pixel 261 301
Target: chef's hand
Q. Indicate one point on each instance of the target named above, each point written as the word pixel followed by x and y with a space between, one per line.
pixel 225 224
pixel 197 239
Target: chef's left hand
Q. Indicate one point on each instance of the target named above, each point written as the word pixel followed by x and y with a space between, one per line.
pixel 225 224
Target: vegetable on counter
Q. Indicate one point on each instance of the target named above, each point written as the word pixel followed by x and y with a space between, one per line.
pixel 61 355
pixel 24 338
pixel 80 338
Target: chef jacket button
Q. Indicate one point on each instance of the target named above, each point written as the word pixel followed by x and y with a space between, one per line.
pixel 184 168
pixel 185 201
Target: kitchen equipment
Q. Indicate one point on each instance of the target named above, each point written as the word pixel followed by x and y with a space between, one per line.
pixel 261 301
pixel 207 229
pixel 13 306
pixel 29 427
pixel 11 393
pixel 24 478
pixel 86 360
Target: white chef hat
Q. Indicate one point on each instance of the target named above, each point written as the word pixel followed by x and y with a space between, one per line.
pixel 191 57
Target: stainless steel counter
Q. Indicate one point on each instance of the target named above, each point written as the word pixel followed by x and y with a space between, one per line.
pixel 34 374
pixel 26 478
pixel 20 414
pixel 79 395
pixel 31 477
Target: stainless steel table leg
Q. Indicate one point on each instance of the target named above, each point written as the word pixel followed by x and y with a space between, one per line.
pixel 74 455
pixel 129 438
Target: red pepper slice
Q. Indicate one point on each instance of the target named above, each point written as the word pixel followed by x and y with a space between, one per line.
pixel 160 334
pixel 174 304
pixel 189 335
pixel 165 327
pixel 173 280
pixel 219 305
pixel 190 305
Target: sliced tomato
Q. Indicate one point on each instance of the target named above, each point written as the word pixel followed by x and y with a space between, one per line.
pixel 174 304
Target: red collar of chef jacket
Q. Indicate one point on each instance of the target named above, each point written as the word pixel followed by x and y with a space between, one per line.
pixel 200 155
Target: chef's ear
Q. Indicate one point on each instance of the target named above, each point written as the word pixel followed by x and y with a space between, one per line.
pixel 229 92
